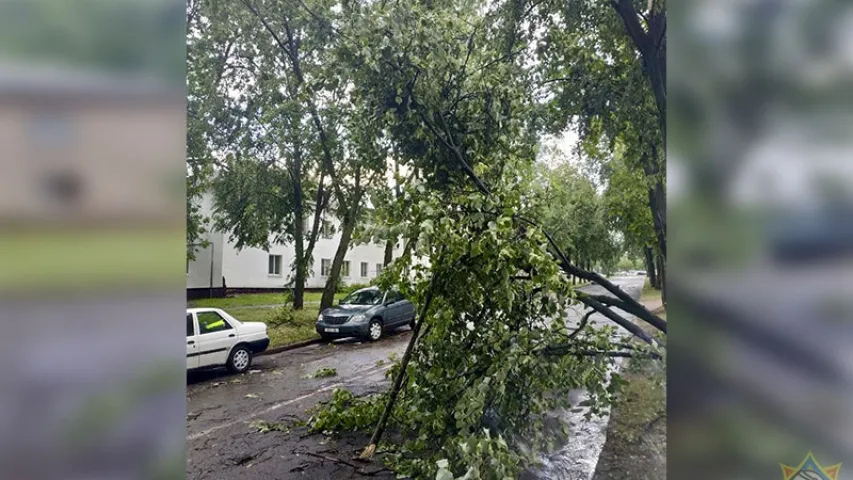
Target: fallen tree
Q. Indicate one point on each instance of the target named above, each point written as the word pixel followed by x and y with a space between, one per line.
pixel 493 351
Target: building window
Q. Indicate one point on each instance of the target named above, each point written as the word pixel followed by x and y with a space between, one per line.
pixel 325 267
pixel 345 269
pixel 274 267
pixel 378 268
pixel 363 269
pixel 326 229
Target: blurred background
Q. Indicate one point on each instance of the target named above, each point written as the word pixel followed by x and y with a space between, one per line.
pixel 92 238
pixel 761 206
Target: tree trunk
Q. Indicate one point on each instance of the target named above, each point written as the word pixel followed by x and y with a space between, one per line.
pixel 657 204
pixel 320 204
pixel 389 252
pixel 662 278
pixel 329 291
pixel 574 278
pixel 389 245
pixel 651 44
pixel 649 255
pixel 656 196
pixel 398 380
pixel 298 232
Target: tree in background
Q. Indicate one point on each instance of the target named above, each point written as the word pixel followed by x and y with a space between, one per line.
pixel 288 144
pixel 267 176
pixel 626 203
pixel 576 218
pixel 603 67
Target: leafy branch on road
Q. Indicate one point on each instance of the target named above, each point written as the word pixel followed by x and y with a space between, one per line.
pixel 262 426
pixel 324 372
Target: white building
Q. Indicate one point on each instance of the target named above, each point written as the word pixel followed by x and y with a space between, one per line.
pixel 221 264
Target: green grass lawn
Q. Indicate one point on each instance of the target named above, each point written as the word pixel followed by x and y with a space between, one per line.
pixel 649 293
pixel 300 329
pixel 87 259
pixel 256 299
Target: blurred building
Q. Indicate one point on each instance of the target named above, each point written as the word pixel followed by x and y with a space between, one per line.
pixel 76 148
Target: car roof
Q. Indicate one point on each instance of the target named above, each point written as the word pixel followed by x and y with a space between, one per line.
pixel 202 309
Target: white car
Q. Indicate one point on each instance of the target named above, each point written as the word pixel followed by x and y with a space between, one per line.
pixel 215 339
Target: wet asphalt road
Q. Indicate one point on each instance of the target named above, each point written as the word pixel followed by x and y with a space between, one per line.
pixel 221 407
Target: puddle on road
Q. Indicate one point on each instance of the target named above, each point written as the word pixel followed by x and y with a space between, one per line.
pixel 577 459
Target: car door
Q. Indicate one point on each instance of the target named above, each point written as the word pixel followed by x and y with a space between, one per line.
pixel 395 312
pixel 192 347
pixel 215 337
pixel 407 311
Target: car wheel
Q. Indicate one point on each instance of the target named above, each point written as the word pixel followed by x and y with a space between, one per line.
pixel 240 359
pixel 374 331
pixel 412 322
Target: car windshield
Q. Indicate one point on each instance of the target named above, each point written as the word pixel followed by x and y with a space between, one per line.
pixel 363 297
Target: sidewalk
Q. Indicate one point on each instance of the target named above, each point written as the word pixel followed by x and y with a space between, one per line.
pixel 653 305
pixel 636 434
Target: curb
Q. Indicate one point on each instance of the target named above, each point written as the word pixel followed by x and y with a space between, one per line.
pixel 292 346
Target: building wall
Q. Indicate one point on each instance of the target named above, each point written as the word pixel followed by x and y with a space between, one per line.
pixel 249 268
pixel 198 271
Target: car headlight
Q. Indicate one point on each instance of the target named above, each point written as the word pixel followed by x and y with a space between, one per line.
pixel 358 318
pixel 320 318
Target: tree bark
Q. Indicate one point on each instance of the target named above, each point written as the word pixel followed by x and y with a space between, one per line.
pixel 649 255
pixel 651 44
pixel 347 227
pixel 398 380
pixel 662 278
pixel 298 231
pixel 574 277
pixel 628 303
pixel 389 245
pixel 389 252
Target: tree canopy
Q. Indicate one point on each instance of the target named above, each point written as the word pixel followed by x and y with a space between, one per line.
pixel 455 91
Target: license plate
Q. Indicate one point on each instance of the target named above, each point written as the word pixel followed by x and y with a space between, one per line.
pixel 333 330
